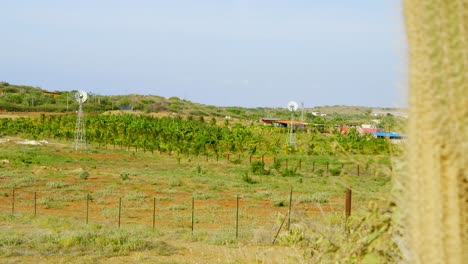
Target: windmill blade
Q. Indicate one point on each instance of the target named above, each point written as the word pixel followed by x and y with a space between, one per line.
pixel 81 96
pixel 292 106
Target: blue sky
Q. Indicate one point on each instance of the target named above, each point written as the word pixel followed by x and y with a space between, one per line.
pixel 240 52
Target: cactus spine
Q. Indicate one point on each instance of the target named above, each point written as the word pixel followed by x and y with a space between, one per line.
pixel 435 201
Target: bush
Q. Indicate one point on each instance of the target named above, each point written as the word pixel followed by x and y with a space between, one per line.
pixel 280 203
pixel 335 171
pixel 289 172
pixel 277 164
pixel 124 175
pixel 57 185
pixel 236 161
pixel 84 175
pixel 258 168
pixel 319 197
pixel 246 178
pixel 319 172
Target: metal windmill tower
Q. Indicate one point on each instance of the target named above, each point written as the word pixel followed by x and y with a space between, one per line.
pixel 292 106
pixel 80 132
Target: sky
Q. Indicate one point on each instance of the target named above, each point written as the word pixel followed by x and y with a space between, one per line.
pixel 250 53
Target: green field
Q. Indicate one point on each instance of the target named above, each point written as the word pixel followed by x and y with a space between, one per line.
pixel 47 215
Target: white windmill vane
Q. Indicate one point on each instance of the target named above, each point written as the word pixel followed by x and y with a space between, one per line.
pixel 80 132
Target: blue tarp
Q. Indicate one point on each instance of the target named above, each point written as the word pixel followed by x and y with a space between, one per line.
pixel 387 134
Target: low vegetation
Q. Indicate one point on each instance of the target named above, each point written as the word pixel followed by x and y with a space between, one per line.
pixel 166 185
pixel 58 227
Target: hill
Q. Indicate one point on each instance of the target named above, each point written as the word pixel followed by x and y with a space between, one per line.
pixel 20 98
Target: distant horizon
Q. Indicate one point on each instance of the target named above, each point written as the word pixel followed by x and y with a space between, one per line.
pixel 193 101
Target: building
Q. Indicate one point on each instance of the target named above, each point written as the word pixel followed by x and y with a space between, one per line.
pixel 283 123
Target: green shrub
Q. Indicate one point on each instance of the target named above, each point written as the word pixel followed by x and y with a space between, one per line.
pixel 289 173
pixel 246 178
pixel 175 183
pixel 178 207
pixel 319 197
pixel 319 172
pixel 57 185
pixel 203 196
pixel 258 168
pixel 84 175
pixel 335 171
pixel 279 203
pixel 293 237
pixel 124 175
pixel 236 161
pixel 277 164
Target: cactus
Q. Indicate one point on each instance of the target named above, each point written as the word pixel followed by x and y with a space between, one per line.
pixel 435 186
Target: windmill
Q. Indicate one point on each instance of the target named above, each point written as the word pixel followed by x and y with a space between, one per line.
pixel 292 106
pixel 80 133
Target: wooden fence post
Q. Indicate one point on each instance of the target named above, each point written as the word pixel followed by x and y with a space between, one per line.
pixel 290 205
pixel 193 212
pixel 154 212
pixel 35 204
pixel 348 203
pixel 13 202
pixel 87 208
pixel 120 209
pixel 279 229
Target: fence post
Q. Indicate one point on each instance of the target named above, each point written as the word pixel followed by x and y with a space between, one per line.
pixel 348 203
pixel 193 211
pixel 35 204
pixel 250 159
pixel 279 229
pixel 154 212
pixel 228 156
pixel 358 170
pixel 87 208
pixel 206 155
pixel 313 166
pixel 263 158
pixel 328 164
pixel 13 202
pixel 120 208
pixel 290 205
pixel 237 217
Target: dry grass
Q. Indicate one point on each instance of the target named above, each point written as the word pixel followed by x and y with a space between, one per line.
pixel 53 172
